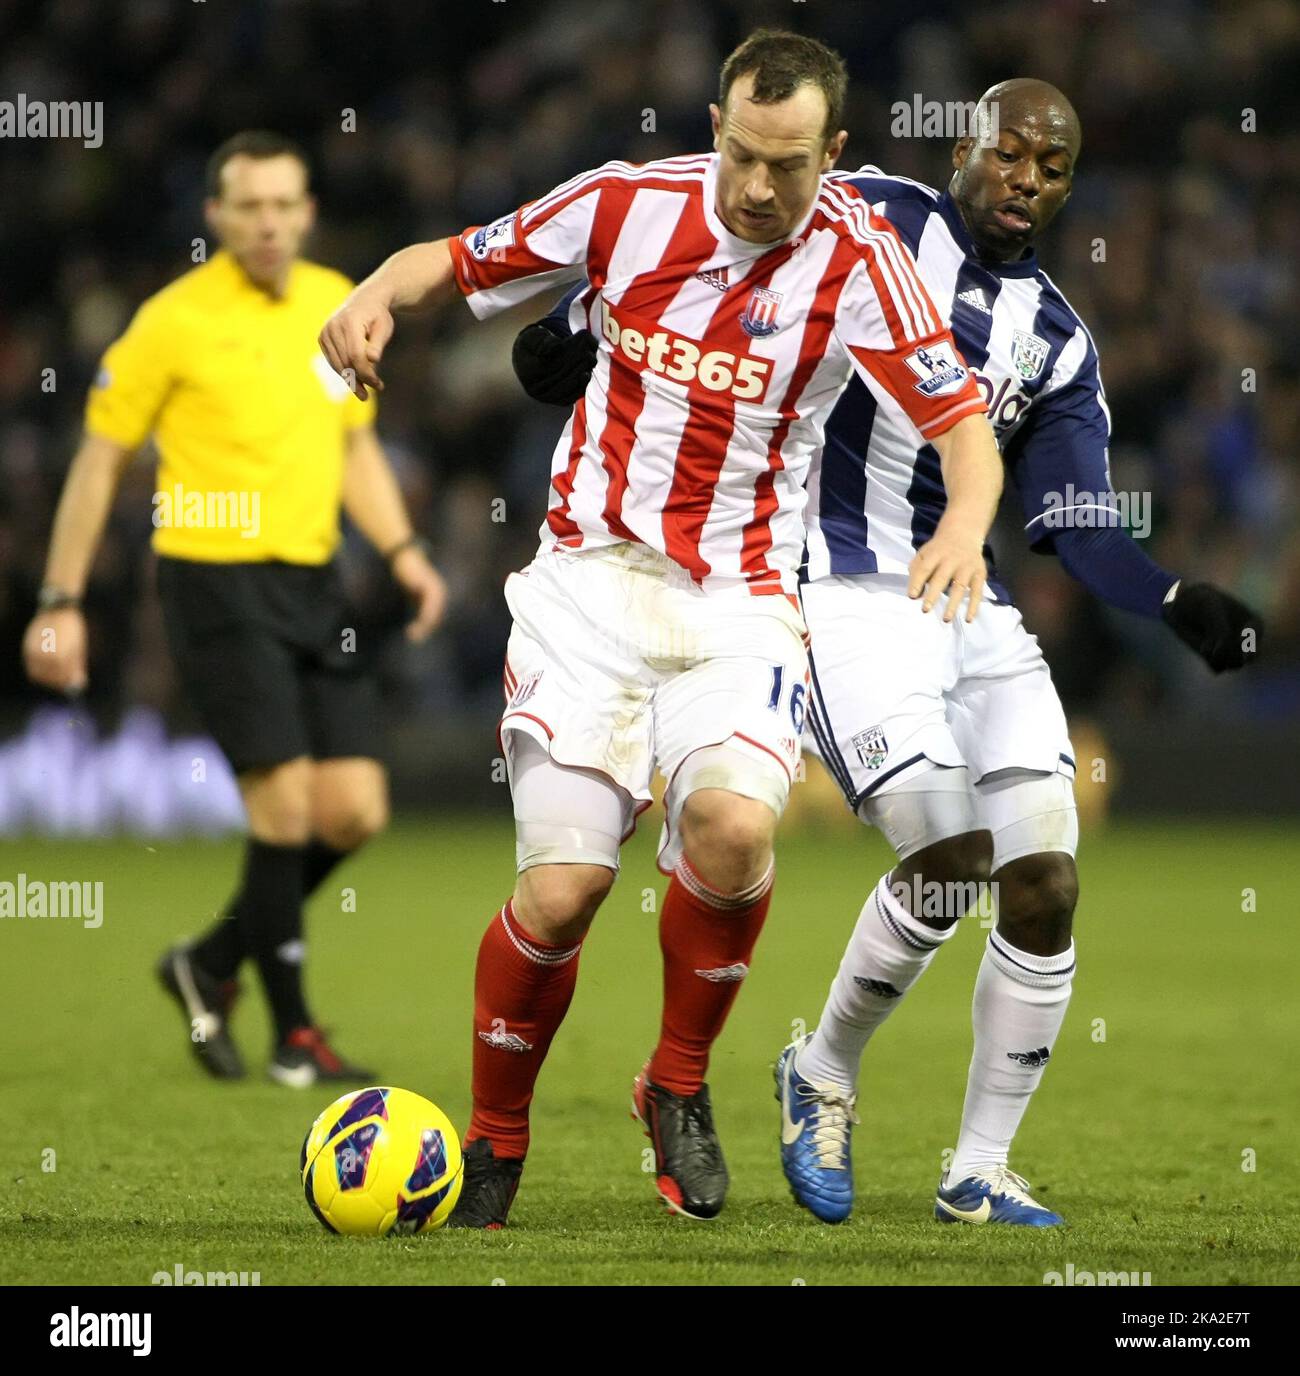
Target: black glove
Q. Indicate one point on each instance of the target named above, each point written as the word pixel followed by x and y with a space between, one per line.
pixel 1215 624
pixel 553 365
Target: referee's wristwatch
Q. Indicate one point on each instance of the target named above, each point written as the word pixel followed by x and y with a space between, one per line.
pixel 52 599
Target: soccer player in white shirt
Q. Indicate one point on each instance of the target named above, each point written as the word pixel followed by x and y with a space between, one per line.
pixel 733 295
pixel 954 744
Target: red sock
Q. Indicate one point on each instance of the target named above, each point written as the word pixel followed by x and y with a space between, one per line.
pixel 522 989
pixel 707 939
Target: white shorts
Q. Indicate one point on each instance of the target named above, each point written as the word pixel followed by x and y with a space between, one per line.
pixel 896 691
pixel 618 662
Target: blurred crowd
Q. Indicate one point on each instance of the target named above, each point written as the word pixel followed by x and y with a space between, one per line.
pixel 1179 248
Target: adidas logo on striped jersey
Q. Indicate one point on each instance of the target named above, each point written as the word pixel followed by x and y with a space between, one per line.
pixel 974 297
pixel 716 280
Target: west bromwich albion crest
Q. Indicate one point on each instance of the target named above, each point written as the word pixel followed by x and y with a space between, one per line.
pixel 1029 353
pixel 872 747
pixel 758 319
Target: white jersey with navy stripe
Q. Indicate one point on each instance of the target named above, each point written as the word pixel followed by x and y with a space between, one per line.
pixel 874 494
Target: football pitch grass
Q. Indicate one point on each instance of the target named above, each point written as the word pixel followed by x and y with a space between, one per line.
pixel 1176 1068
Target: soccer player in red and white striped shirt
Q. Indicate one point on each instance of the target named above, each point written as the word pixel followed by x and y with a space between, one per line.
pixel 733 294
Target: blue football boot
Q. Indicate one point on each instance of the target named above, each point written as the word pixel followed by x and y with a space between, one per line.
pixel 816 1123
pixel 1001 1196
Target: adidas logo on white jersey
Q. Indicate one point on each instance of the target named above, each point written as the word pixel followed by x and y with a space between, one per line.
pixel 974 296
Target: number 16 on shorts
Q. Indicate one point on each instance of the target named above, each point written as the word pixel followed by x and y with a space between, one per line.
pixel 797 698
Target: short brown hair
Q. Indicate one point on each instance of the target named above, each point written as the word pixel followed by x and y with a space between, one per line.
pixel 781 62
pixel 252 143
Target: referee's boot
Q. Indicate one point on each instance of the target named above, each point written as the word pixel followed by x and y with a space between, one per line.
pixel 205 1004
pixel 306 1058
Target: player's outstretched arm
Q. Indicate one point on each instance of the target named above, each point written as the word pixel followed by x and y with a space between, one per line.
pixel 954 558
pixel 355 336
pixel 1060 459
pixel 54 647
pixel 1106 560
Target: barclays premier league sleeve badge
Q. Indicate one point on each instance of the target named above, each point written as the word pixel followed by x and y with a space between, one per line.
pixel 493 238
pixel 939 369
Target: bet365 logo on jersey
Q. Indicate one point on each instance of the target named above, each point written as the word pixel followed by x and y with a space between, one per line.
pixel 714 371
pixel 939 369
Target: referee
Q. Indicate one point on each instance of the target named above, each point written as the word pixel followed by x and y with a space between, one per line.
pixel 260 444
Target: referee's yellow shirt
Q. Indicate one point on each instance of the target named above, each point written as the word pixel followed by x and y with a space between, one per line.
pixel 249 420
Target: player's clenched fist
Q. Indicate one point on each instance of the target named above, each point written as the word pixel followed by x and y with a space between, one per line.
pixel 353 341
pixel 54 650
pixel 953 563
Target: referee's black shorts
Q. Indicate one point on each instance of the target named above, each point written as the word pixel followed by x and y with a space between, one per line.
pixel 263 653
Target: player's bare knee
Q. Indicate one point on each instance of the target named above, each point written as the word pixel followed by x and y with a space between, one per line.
pixel 1037 895
pixel 727 838
pixel 945 880
pixel 556 903
pixel 955 859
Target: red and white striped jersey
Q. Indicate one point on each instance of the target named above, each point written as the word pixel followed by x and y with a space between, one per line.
pixel 719 359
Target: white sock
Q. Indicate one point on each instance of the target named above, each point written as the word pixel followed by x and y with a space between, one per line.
pixel 1019 1005
pixel 886 955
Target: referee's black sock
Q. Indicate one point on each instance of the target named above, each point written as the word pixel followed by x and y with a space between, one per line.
pixel 221 951
pixel 318 862
pixel 270 926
